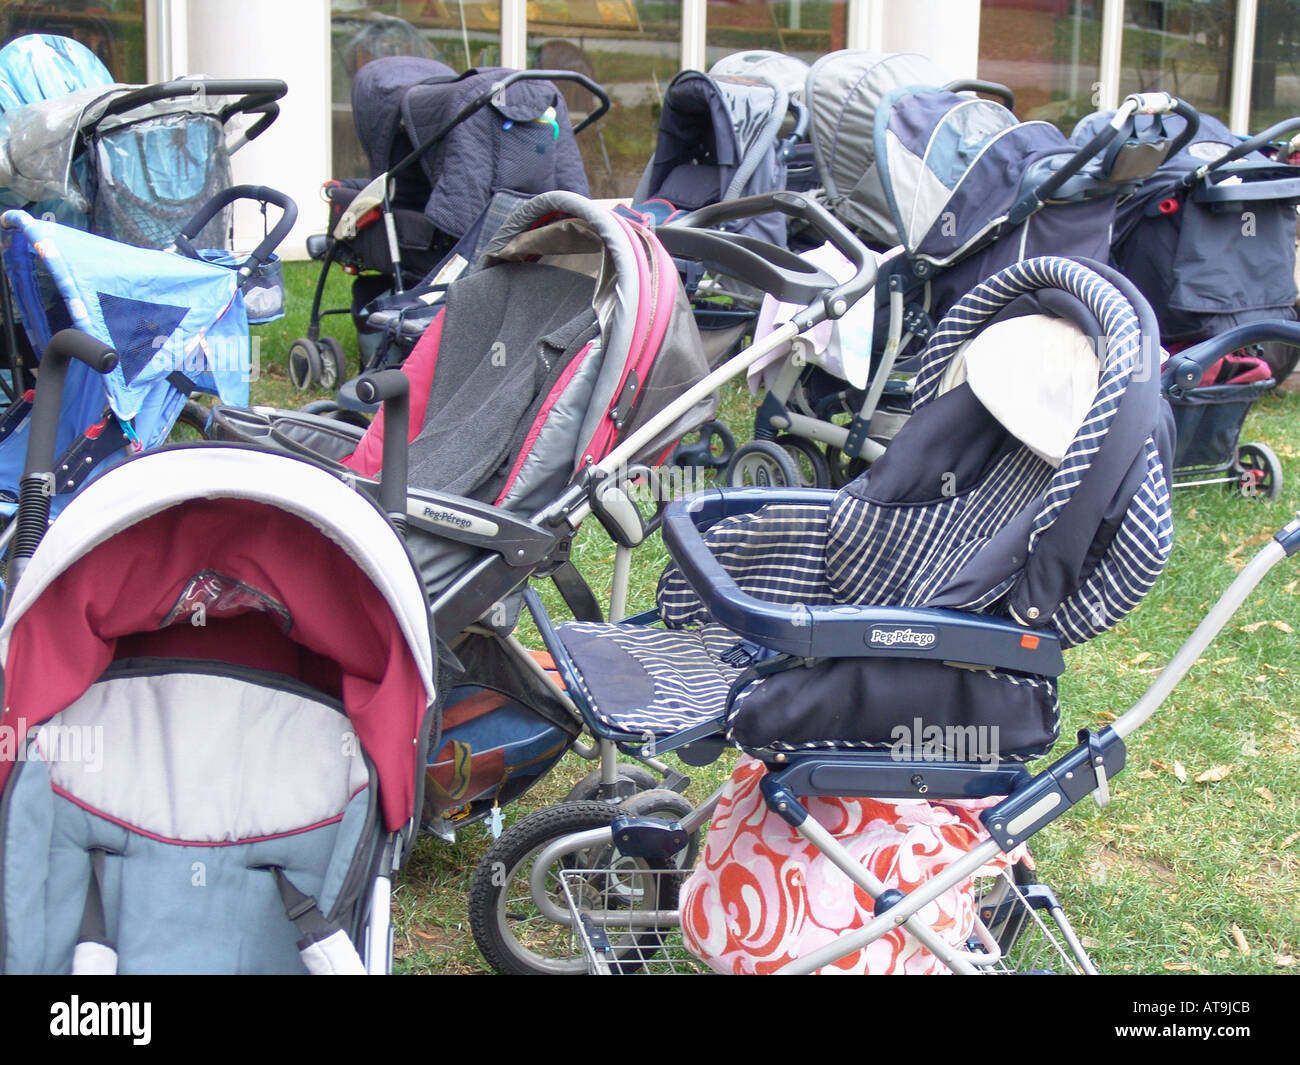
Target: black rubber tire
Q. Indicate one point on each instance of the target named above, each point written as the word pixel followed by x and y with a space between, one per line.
pixel 1252 457
pixel 333 363
pixel 588 788
pixel 762 464
pixel 814 470
pixel 513 937
pixel 843 469
pixel 193 421
pixel 304 364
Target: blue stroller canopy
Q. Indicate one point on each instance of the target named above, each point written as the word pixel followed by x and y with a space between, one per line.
pixel 41 66
pixel 163 313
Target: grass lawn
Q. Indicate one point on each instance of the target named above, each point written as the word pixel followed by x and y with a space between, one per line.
pixel 1195 865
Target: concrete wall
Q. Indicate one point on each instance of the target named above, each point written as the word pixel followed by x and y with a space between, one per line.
pixel 286 39
pixel 948 31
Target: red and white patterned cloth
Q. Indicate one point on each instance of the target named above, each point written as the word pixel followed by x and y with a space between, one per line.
pixel 762 895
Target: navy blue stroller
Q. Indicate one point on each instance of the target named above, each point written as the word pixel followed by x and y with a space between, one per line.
pixel 1209 239
pixel 804 626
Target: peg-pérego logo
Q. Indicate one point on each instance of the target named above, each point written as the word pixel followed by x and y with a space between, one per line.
pixel 891 636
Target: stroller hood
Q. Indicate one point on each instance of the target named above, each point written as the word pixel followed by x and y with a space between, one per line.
pixel 173 545
pixel 377 93
pixel 43 66
pixel 162 313
pixel 717 141
pixel 523 143
pixel 844 91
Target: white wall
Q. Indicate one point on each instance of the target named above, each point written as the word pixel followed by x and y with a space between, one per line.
pixel 948 31
pixel 285 39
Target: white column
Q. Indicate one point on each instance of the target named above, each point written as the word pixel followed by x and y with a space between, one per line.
pixel 289 40
pixel 1112 42
pixel 166 39
pixel 514 34
pixel 947 31
pixel 1243 66
pixel 694 55
pixel 866 25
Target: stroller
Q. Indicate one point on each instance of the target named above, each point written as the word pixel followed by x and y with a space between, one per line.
pixel 1209 239
pixel 510 453
pixel 178 321
pixel 1010 191
pixel 891 640
pixel 440 145
pixel 218 669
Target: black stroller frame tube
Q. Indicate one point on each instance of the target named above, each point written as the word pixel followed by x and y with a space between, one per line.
pixel 36 488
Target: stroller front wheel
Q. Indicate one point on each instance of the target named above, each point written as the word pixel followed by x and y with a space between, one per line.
pixel 305 364
pixel 762 464
pixel 512 932
pixel 1261 472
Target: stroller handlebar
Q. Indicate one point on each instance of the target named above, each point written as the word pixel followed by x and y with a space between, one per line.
pixel 1147 103
pixel 1185 370
pixel 255 95
pixel 988 88
pixel 838 300
pixel 259 193
pixel 1251 144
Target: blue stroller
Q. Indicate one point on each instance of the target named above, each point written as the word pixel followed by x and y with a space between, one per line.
pixel 178 322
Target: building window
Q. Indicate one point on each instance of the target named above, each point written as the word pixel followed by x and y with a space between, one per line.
pixel 1183 47
pixel 112 29
pixel 806 29
pixel 1047 52
pixel 1275 86
pixel 632 48
pixel 458 33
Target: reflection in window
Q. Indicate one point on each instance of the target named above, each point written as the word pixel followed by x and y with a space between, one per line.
pixel 1047 52
pixel 1275 86
pixel 632 48
pixel 802 28
pixel 460 33
pixel 112 29
pixel 1183 47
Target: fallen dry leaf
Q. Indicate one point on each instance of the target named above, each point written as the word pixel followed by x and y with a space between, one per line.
pixel 1289 840
pixel 1180 771
pixel 1226 661
pixel 1214 774
pixel 1265 794
pixel 1146 774
pixel 1284 961
pixel 1139 659
pixel 1239 938
pixel 1282 626
pixel 1180 967
pixel 1254 626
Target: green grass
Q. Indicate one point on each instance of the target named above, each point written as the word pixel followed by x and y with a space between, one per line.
pixel 1158 881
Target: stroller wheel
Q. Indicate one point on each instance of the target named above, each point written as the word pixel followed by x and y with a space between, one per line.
pixel 814 470
pixel 333 363
pixel 843 469
pixel 1261 473
pixel 192 423
pixel 762 464
pixel 588 788
pixel 519 934
pixel 665 805
pixel 305 366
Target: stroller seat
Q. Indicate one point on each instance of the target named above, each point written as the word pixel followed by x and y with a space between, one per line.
pixel 961 517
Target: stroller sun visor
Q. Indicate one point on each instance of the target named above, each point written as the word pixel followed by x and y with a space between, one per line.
pixel 1037 375
pixel 162 313
pixel 310 568
pixel 377 93
pixel 952 168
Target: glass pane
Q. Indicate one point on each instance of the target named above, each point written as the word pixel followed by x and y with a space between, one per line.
pixel 1047 52
pixel 459 33
pixel 1183 47
pixel 802 28
pixel 1275 87
pixel 630 47
pixel 112 29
